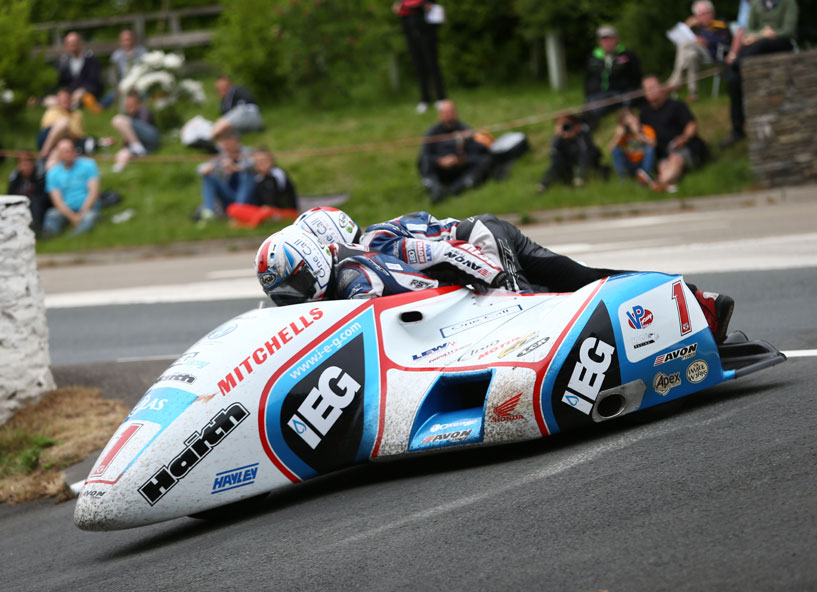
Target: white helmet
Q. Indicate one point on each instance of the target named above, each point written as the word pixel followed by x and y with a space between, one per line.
pixel 293 267
pixel 329 225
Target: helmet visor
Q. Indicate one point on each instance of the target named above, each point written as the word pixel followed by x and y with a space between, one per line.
pixel 298 287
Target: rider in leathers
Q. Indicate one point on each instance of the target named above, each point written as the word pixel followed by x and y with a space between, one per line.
pixel 419 239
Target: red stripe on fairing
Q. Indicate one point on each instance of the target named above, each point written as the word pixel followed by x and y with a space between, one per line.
pixel 545 364
pixel 380 304
pixel 262 257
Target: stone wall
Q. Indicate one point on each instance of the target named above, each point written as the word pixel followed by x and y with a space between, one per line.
pixel 25 372
pixel 780 93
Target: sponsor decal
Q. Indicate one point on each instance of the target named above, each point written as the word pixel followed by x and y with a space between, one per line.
pixel 181 377
pixel 639 317
pixel 92 493
pixel 261 354
pixel 474 322
pixel 505 410
pixel 590 367
pixel 682 353
pixel 644 340
pixel 235 478
pixel 513 347
pixel 454 424
pixel 197 446
pixel 321 418
pixel 449 437
pixel 697 371
pixel 324 405
pixel 222 331
pixel 662 383
pixel 468 262
pixel 189 359
pixel 420 284
pixel 533 346
pixel 434 349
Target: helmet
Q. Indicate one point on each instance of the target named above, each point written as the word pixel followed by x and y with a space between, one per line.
pixel 293 266
pixel 329 225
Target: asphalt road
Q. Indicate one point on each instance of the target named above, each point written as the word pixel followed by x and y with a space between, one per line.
pixel 716 493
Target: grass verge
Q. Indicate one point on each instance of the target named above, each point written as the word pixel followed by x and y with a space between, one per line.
pixel 44 438
pixel 383 183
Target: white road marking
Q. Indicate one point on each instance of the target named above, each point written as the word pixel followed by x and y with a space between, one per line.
pixel 667 254
pixel 225 274
pixel 801 353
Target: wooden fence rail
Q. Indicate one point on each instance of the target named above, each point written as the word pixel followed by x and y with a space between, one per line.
pixel 169 20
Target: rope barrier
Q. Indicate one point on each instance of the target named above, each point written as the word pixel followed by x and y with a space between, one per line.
pixel 403 142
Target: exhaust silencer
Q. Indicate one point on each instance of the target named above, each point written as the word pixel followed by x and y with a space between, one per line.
pixel 618 400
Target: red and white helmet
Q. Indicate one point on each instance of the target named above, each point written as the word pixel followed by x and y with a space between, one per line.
pixel 329 225
pixel 293 267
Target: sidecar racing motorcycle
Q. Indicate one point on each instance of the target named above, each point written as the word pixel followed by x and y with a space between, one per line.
pixel 276 396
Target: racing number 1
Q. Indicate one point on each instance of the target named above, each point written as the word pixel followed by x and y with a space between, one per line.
pixel 681 302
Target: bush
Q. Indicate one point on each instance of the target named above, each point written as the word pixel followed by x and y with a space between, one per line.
pixel 324 51
pixel 20 73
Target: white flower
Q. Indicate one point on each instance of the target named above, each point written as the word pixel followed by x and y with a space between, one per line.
pixel 173 61
pixel 163 80
pixel 162 103
pixel 193 89
pixel 7 95
pixel 153 59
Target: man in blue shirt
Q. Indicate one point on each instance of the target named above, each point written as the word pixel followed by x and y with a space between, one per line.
pixel 73 185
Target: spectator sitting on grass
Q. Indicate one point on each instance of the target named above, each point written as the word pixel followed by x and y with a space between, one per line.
pixel 73 184
pixel 632 146
pixel 239 110
pixel 573 154
pixel 455 163
pixel 226 179
pixel 273 196
pixel 28 179
pixel 59 121
pixel 678 146
pixel 138 130
pixel 79 72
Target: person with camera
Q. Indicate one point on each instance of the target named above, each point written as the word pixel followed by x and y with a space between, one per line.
pixel 573 154
pixel 632 146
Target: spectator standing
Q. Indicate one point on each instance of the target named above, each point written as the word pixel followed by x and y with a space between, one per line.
pixel 573 154
pixel 73 185
pixel 78 71
pixel 138 131
pixel 612 71
pixel 226 179
pixel 710 35
pixel 451 160
pixel 239 110
pixel 772 28
pixel 632 146
pixel 28 179
pixel 421 38
pixel 678 147
pixel 62 120
pixel 123 59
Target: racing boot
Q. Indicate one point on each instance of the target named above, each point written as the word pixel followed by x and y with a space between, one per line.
pixel 717 310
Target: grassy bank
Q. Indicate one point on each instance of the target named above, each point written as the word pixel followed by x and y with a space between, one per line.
pixel 44 438
pixel 382 183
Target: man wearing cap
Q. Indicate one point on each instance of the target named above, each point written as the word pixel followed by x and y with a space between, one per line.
pixel 611 71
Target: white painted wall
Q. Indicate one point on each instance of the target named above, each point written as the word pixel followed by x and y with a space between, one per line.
pixel 25 373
